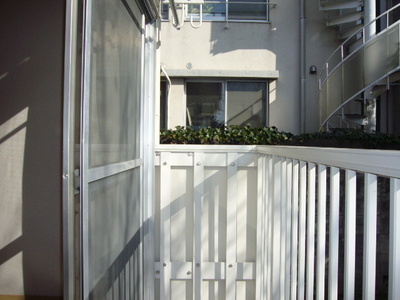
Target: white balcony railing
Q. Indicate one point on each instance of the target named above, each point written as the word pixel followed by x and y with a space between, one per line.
pixel 276 222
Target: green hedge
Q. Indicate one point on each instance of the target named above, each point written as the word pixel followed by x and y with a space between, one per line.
pixel 236 135
pixel 231 135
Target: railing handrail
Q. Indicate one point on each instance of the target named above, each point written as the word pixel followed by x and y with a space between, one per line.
pixel 325 68
pixel 355 96
pixel 373 161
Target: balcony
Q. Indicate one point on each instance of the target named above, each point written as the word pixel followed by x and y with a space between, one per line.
pixel 276 222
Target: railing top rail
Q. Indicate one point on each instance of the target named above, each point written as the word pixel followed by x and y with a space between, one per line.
pixel 379 162
pixel 339 49
pixel 205 148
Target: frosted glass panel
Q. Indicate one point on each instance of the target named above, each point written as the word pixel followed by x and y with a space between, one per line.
pixel 393 48
pixel 375 59
pixel 323 113
pixel 115 84
pixel 114 219
pixel 353 70
pixel 334 84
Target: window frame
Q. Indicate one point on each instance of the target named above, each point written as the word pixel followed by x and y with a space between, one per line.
pixel 225 17
pixel 225 94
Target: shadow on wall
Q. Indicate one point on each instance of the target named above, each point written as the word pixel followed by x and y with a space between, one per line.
pixel 274 46
pixel 241 36
pixel 31 74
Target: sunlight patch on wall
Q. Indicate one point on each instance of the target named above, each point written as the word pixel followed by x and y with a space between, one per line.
pixel 12 148
pixel 11 276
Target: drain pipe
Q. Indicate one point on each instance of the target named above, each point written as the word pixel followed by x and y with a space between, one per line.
pixel 175 21
pixel 169 86
pixel 303 66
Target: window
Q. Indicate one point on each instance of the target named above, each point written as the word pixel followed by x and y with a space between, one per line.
pixel 247 10
pixel 222 103
pixel 164 12
pixel 216 10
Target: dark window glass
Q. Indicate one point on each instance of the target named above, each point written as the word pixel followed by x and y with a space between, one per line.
pixel 205 104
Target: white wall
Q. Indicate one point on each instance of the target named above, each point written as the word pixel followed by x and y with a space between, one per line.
pixel 253 47
pixel 31 77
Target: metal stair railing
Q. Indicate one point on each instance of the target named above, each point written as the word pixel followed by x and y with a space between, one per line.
pixel 365 65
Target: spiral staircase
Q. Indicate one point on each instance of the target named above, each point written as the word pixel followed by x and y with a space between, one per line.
pixel 362 68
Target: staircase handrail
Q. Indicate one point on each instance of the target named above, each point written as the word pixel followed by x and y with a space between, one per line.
pixel 326 69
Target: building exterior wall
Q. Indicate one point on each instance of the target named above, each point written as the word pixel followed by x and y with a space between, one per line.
pixel 31 89
pixel 245 48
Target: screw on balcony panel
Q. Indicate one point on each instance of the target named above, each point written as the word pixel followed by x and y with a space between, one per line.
pixel 230 266
pixel 164 163
pixel 158 272
pixel 189 272
pixel 164 264
pixel 232 164
pixel 199 163
pixel 198 265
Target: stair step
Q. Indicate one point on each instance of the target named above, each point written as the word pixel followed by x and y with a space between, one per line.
pixel 378 90
pixel 355 118
pixel 349 32
pixel 347 18
pixel 381 87
pixel 341 4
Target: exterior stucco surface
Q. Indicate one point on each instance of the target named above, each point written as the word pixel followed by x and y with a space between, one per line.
pixel 244 46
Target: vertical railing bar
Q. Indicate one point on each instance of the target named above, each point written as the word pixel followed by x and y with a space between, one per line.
pixel 165 224
pixel 131 277
pixel 283 228
pixel 198 187
pixel 334 233
pixel 295 226
pixel 370 222
pixel 327 70
pixel 321 234
pixel 266 188
pixel 270 182
pixel 230 266
pixel 302 230
pixel 276 227
pixel 288 218
pixel 260 265
pixel 342 52
pixel 350 235
pixel 394 240
pixel 310 232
